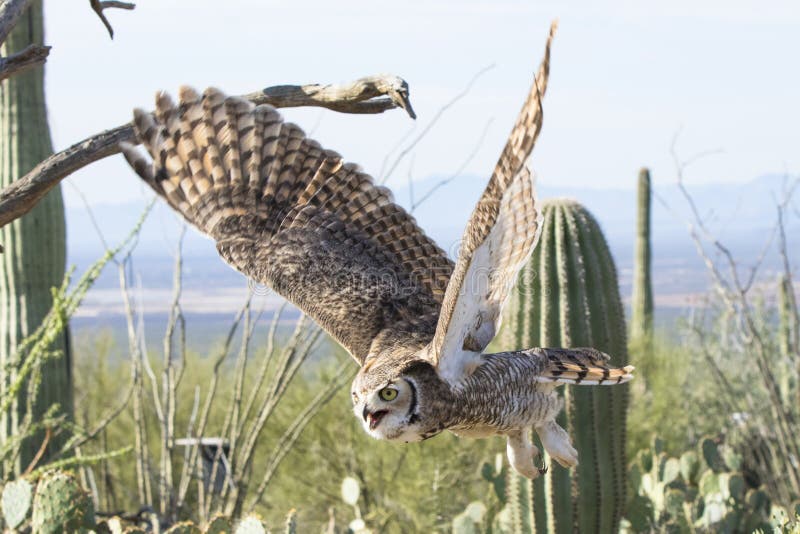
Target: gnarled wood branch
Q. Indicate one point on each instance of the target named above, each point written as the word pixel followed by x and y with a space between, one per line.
pixel 356 97
pixel 32 56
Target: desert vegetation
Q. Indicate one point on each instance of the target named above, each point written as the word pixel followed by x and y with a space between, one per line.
pixel 254 432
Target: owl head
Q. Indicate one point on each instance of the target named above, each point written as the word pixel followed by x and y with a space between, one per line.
pixel 390 399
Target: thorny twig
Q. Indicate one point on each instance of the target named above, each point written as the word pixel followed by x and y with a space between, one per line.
pixel 48 434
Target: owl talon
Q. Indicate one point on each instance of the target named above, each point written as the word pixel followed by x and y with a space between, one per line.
pixel 557 444
pixel 522 454
pixel 543 470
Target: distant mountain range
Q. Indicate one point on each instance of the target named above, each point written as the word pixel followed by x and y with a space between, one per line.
pixel 740 215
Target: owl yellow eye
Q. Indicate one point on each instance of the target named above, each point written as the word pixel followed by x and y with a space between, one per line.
pixel 388 394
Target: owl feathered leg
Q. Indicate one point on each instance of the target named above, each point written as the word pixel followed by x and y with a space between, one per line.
pixel 522 454
pixel 556 442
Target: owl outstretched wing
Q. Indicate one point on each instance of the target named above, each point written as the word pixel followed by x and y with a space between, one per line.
pixel 499 238
pixel 296 217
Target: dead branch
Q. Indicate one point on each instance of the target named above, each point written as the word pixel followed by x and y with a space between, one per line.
pixel 291 434
pixel 360 96
pixel 265 361
pixel 734 297
pixel 356 97
pixel 199 430
pixel 99 6
pixel 10 12
pixel 145 493
pixel 32 56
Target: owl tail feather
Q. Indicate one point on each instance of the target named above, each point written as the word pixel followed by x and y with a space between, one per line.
pixel 583 366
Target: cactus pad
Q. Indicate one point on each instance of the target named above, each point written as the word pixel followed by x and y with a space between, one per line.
pixel 61 505
pixel 219 524
pixel 17 498
pixel 251 525
pixel 185 527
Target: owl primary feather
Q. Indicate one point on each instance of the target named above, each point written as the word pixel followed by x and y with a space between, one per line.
pixel 292 215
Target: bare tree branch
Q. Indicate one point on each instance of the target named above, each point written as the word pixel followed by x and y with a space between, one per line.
pixel 359 96
pixel 32 56
pixel 10 12
pixel 735 300
pixel 290 435
pixel 356 97
pixel 99 6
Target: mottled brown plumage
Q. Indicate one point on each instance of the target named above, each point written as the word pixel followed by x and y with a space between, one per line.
pixel 294 216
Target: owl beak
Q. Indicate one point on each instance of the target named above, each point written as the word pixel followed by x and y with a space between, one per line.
pixel 373 419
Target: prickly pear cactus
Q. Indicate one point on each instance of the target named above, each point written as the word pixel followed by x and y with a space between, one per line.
pixel 116 525
pixel 251 524
pixel 351 491
pixel 712 455
pixel 185 527
pixel 17 499
pixel 61 505
pixel 470 520
pixel 698 492
pixel 568 296
pixel 690 467
pixel 496 475
pixel 219 524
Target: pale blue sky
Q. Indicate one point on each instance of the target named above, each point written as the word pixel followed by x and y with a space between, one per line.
pixel 625 76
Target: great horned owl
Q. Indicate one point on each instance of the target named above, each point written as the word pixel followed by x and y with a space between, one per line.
pixel 292 215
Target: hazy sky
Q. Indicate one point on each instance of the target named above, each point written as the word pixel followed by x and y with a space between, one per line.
pixel 625 77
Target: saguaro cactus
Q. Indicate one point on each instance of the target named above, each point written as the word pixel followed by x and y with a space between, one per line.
pixel 35 245
pixel 788 340
pixel 786 315
pixel 642 301
pixel 568 295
